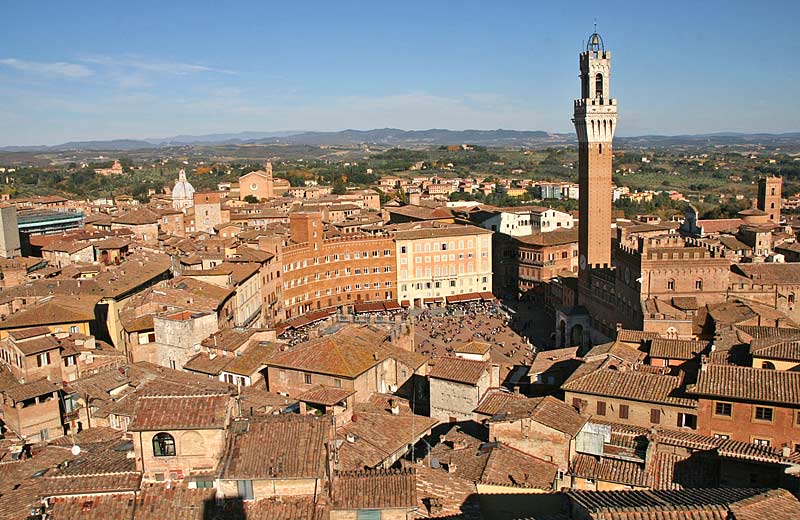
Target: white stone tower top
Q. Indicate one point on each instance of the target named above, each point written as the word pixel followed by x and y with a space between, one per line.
pixel 595 114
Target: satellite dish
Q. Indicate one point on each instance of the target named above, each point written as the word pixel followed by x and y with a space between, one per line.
pixel 76 450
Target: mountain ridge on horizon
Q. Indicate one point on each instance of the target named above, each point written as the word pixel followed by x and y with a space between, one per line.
pixel 399 137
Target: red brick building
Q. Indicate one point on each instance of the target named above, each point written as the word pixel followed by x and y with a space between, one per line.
pixel 754 405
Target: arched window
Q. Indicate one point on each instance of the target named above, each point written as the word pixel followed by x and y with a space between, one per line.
pixel 598 85
pixel 163 445
pixel 698 284
pixel 791 298
pixel 768 365
pixel 671 285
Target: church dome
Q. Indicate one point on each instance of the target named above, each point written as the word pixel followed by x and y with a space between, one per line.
pixel 183 189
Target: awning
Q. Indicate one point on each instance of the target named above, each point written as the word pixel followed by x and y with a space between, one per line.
pixel 405 303
pixel 487 296
pixel 369 307
pixel 471 297
pixel 438 299
pixel 391 305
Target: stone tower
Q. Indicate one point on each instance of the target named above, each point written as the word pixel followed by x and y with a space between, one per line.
pixel 769 197
pixel 269 180
pixel 595 119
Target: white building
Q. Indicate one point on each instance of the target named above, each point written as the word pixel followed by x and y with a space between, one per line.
pixel 525 220
pixel 436 261
pixel 182 193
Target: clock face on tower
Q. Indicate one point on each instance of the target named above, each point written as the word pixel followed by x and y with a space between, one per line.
pixel 583 262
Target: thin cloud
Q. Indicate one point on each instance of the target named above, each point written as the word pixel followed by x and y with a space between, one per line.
pixel 154 66
pixel 54 68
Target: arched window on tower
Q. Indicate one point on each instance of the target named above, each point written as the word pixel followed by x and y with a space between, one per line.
pixel 598 85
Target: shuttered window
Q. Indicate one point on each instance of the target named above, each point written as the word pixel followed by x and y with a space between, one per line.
pixel 623 411
pixel 655 416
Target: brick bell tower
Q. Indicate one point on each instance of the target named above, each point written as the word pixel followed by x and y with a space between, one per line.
pixel 595 119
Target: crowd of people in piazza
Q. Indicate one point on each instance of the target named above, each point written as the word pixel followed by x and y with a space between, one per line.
pixel 441 330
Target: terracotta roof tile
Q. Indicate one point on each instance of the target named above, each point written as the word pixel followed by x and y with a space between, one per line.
pixel 754 384
pixel 33 389
pixel 687 504
pixel 176 502
pixel 281 508
pixel 677 348
pixel 325 395
pixel 634 385
pixel 548 410
pixel 495 400
pixel 375 489
pixel 348 352
pixel 276 446
pixel 777 348
pixel 378 434
pixel 458 370
pixel 443 495
pixel 97 507
pixel 608 470
pixel 180 412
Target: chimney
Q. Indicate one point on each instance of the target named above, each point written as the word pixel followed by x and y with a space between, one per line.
pixel 786 450
pixel 395 408
pixel 451 468
pixel 351 438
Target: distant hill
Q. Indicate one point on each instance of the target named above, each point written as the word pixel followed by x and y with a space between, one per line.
pixel 432 137
pixel 116 144
pixel 435 136
pixel 240 137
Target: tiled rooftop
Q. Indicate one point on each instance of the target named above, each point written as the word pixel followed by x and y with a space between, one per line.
pixel 754 384
pixel 458 370
pixel 276 446
pixel 375 489
pixel 180 412
pixel 634 385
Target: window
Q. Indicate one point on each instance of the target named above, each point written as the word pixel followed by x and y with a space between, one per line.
pixel 245 489
pixel 760 442
pixel 204 484
pixel 368 514
pixel 598 85
pixel 698 285
pixel 655 416
pixel 723 409
pixel 763 413
pixel 671 285
pixel 723 436
pixel 43 359
pixel 601 408
pixel 163 445
pixel 623 411
pixel 768 365
pixel 73 328
pixel 307 379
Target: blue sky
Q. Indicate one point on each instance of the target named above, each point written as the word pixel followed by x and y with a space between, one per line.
pixel 104 70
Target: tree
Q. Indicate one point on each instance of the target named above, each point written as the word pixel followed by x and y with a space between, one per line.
pixel 338 187
pixel 251 199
